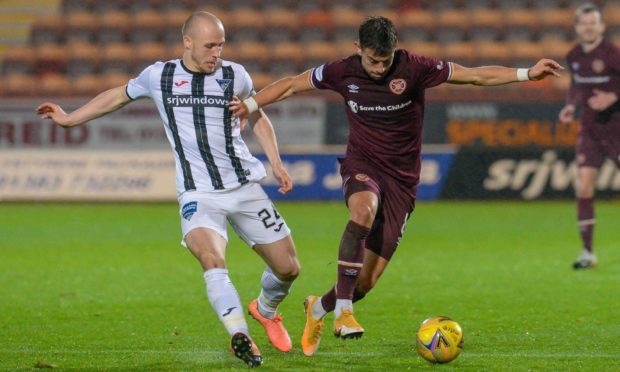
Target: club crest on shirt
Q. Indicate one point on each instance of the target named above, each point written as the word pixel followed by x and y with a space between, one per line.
pixel 223 83
pixel 575 66
pixel 598 66
pixel 398 86
pixel 362 177
pixel 189 209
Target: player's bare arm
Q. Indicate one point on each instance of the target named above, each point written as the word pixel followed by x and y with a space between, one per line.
pixel 498 75
pixel 601 100
pixel 274 92
pixel 106 102
pixel 266 137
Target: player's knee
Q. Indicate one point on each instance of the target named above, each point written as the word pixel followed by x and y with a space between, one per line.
pixel 585 192
pixel 363 215
pixel 288 273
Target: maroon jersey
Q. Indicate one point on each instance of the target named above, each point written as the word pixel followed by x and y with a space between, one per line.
pixel 385 116
pixel 598 69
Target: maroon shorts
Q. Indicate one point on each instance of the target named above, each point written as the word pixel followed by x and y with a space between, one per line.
pixel 395 205
pixel 592 149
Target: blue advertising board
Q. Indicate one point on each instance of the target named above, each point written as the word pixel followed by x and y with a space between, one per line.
pixel 316 176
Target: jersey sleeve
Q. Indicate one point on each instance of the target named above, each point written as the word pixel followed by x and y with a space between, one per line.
pixel 327 76
pixel 140 86
pixel 615 65
pixel 246 88
pixel 431 71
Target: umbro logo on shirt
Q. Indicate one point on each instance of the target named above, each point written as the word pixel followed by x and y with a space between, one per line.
pixel 353 88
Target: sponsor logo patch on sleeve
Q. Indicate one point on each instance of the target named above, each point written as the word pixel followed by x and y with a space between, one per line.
pixel 318 73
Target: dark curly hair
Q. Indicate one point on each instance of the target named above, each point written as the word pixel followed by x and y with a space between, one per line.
pixel 378 34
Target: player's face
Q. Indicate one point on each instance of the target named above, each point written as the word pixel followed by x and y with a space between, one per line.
pixel 376 66
pixel 205 47
pixel 589 27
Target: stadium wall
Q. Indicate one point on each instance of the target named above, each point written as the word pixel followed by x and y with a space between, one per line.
pixel 482 150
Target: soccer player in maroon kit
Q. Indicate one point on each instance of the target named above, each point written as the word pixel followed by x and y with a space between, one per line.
pixel 383 88
pixel 595 67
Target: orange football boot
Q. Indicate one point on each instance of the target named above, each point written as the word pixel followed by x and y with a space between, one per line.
pixel 277 334
pixel 311 337
pixel 345 326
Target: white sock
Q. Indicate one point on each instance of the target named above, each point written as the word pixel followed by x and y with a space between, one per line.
pixel 272 293
pixel 317 310
pixel 342 305
pixel 225 300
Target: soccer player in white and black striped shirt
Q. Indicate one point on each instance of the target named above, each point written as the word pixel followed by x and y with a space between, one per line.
pixel 215 173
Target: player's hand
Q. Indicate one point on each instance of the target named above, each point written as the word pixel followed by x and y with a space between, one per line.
pixel 238 108
pixel 567 115
pixel 286 183
pixel 601 100
pixel 54 112
pixel 545 67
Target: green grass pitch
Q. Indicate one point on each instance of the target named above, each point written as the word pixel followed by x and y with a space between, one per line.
pixel 108 287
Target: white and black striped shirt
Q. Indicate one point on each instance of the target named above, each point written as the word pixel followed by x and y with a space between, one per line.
pixel 209 152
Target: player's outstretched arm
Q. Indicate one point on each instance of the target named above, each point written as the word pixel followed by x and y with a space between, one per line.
pixel 104 103
pixel 266 137
pixel 274 92
pixel 498 75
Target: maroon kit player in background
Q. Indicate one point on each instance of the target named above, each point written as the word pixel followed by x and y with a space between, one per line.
pixel 595 67
pixel 383 88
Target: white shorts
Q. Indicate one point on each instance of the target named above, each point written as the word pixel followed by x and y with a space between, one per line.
pixel 248 209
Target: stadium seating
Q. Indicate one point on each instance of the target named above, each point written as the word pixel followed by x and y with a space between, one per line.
pixel 285 58
pixel 117 57
pixel 452 25
pixel 315 26
pixel 425 48
pixel 345 21
pixel 82 25
pixel 461 52
pixel 492 53
pixel 416 24
pixel 486 24
pixel 148 26
pixel 284 25
pixel 113 27
pixel 47 29
pixel 90 39
pixel 83 58
pixel 54 85
pixel 18 60
pixel 19 84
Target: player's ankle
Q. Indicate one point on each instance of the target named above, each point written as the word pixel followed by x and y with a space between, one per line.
pixel 317 310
